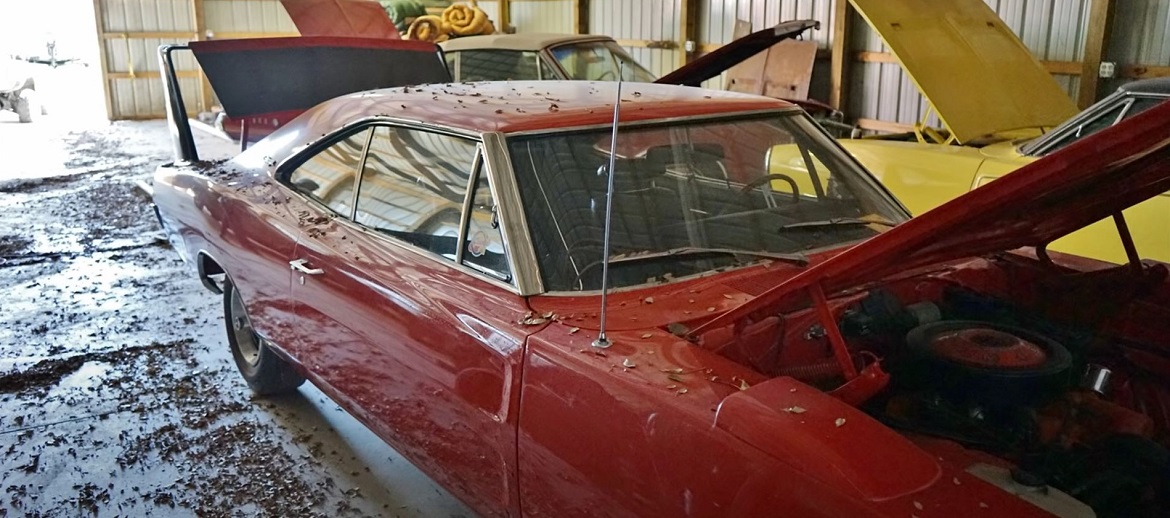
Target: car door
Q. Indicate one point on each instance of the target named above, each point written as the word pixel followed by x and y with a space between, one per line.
pixel 408 317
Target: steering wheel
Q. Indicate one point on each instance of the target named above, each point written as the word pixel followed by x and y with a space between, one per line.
pixel 768 178
pixel 610 73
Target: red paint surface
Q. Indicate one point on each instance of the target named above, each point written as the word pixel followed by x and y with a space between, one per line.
pixel 531 420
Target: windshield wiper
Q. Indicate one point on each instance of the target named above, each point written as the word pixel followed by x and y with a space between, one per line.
pixel 791 258
pixel 835 222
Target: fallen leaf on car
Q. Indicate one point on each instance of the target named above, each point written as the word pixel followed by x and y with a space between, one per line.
pixel 795 410
pixel 628 363
pixel 647 335
pixel 839 422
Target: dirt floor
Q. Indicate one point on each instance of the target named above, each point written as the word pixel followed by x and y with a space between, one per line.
pixel 118 395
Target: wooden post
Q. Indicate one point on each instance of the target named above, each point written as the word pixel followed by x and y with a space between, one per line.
pixel 581 16
pixel 205 99
pixel 100 27
pixel 688 29
pixel 1096 45
pixel 839 71
pixel 505 15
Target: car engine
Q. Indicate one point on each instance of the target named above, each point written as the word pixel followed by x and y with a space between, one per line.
pixel 973 370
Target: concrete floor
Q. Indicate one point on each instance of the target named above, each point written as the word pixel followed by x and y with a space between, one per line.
pixel 118 395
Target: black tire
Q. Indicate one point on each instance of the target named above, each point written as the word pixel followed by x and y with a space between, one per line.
pixel 265 372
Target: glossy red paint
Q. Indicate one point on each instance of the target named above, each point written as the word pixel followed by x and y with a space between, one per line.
pixel 530 420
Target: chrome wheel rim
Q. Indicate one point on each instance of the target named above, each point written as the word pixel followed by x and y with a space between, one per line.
pixel 241 327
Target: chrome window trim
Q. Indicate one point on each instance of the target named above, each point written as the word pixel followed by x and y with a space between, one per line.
pixel 654 122
pixel 817 132
pixel 281 170
pixel 1044 144
pixel 373 122
pixel 513 222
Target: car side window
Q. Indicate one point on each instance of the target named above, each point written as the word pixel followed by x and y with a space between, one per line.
pixel 484 246
pixel 1114 115
pixel 329 176
pixel 413 186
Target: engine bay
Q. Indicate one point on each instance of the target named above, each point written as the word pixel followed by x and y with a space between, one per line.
pixel 1054 378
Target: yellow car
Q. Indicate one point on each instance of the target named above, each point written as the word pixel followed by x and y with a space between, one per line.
pixel 1001 110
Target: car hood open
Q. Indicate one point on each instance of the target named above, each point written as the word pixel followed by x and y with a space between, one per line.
pixel 275 75
pixel 1090 180
pixel 719 60
pixel 977 74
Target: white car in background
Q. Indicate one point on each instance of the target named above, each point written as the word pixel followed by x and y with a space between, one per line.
pixel 535 56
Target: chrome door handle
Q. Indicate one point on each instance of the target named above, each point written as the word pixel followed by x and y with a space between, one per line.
pixel 299 265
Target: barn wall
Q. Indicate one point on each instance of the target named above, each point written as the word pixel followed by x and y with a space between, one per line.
pixel 130 32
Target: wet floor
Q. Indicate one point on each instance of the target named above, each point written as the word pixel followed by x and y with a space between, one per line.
pixel 118 395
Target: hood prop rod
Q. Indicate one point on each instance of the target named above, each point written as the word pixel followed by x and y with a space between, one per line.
pixel 602 341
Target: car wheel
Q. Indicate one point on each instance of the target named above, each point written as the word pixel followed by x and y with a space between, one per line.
pixel 265 372
pixel 24 106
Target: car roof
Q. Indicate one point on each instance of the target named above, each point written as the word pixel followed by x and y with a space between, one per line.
pixel 511 106
pixel 1157 85
pixel 530 41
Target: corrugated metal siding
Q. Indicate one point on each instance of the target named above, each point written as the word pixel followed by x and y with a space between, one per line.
pixel 717 17
pixel 129 54
pixel 542 15
pixel 1141 33
pixel 141 97
pixel 246 16
pixel 1054 30
pixel 716 23
pixel 644 20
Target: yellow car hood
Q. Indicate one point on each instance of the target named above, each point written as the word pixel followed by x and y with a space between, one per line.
pixel 975 72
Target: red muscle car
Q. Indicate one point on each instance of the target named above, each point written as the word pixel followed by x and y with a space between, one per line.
pixel 431 258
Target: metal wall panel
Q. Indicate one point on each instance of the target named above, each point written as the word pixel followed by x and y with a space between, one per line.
pixel 1141 32
pixel 146 16
pixel 655 20
pixel 1054 30
pixel 132 31
pixel 717 17
pixel 542 15
pixel 249 16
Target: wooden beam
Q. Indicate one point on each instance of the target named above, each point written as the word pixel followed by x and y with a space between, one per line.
pixel 149 74
pixel 886 126
pixel 1064 68
pixel 688 30
pixel 159 35
pixel 205 98
pixel 505 14
pixel 246 35
pixel 1144 71
pixel 1096 46
pixel 647 44
pixel 839 67
pixel 99 25
pixel 581 16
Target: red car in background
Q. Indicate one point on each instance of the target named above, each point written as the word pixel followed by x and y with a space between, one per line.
pixel 431 257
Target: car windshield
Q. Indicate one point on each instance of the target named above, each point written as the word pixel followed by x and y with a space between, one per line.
pixel 598 61
pixel 691 197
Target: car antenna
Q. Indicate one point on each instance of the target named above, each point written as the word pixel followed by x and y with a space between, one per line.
pixel 602 341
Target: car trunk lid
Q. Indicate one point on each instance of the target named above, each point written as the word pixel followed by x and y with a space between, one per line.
pixel 279 75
